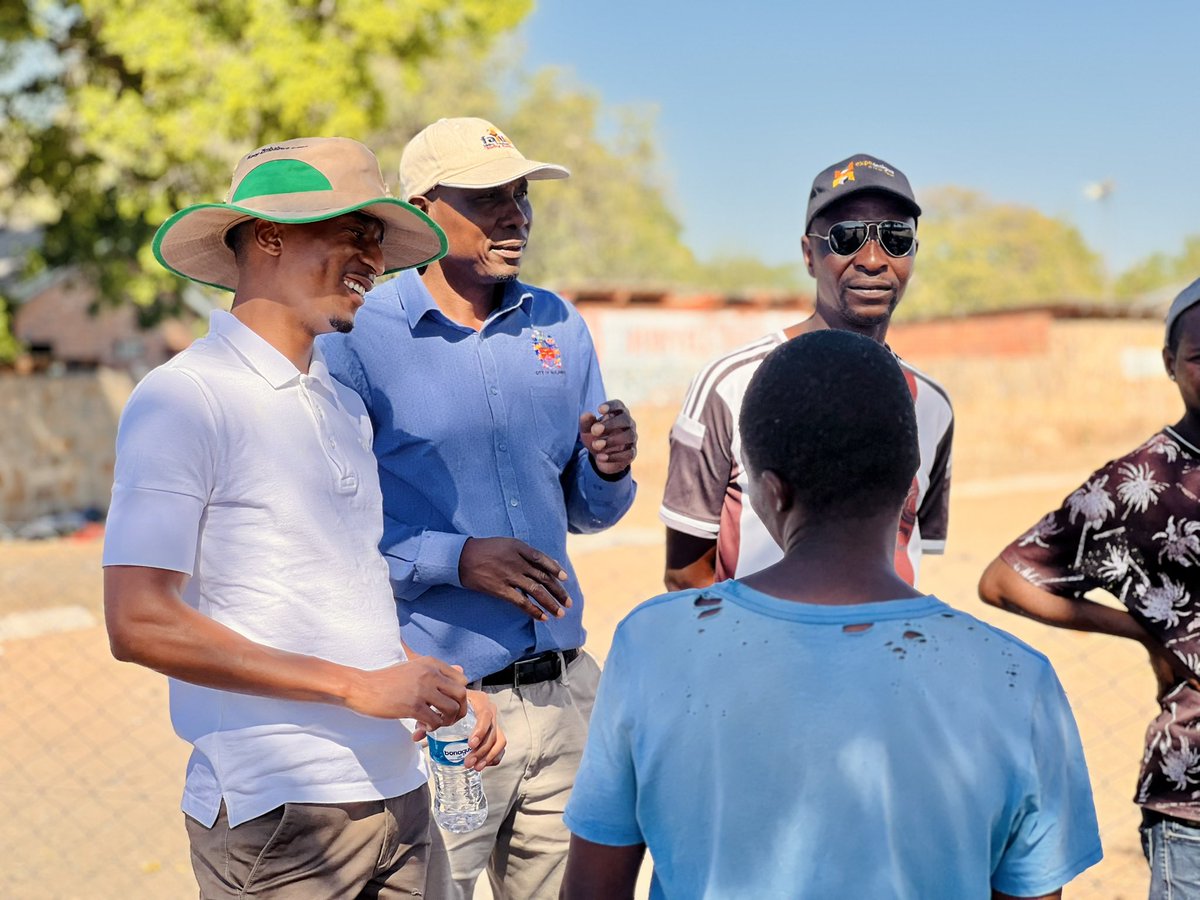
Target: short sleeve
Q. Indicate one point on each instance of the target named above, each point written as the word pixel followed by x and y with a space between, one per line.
pixel 603 804
pixel 164 475
pixel 1054 835
pixel 700 462
pixel 1049 555
pixel 934 513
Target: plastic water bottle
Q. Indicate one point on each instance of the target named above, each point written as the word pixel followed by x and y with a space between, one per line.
pixel 459 804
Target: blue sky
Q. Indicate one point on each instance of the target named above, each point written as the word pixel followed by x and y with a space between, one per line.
pixel 1026 102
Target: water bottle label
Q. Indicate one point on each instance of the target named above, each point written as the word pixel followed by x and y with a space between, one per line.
pixel 447 753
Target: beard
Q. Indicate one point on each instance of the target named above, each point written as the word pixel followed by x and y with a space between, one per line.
pixel 866 320
pixel 341 326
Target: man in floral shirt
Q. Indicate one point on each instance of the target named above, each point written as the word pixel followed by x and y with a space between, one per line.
pixel 1133 530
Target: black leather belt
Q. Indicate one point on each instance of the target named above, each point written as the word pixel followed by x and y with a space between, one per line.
pixel 544 667
pixel 1151 817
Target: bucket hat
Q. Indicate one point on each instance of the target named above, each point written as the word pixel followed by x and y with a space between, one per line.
pixel 296 181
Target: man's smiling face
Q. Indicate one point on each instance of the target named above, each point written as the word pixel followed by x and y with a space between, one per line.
pixel 331 265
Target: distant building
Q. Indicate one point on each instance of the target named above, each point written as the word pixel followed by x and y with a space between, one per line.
pixel 62 323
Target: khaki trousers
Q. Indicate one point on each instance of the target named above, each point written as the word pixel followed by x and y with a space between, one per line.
pixel 523 844
pixel 303 851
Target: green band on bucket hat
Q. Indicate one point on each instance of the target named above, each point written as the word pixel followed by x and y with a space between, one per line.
pixel 281 176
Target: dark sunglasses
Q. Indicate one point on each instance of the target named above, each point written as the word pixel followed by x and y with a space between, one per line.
pixel 847 238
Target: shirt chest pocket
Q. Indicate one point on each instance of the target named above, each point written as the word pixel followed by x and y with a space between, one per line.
pixel 556 423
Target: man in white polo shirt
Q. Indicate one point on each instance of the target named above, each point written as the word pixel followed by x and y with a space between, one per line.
pixel 241 554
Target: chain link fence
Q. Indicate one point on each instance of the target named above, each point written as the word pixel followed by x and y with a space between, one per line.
pixel 91 772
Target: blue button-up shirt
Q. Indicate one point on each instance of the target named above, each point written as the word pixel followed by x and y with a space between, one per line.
pixel 477 435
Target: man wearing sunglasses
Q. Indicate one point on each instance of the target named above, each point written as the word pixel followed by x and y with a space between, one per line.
pixel 860 246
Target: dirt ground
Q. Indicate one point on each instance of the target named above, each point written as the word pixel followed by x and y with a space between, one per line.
pixel 90 772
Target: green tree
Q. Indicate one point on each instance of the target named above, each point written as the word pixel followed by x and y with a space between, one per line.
pixel 9 348
pixel 610 223
pixel 745 274
pixel 979 255
pixel 139 109
pixel 1161 270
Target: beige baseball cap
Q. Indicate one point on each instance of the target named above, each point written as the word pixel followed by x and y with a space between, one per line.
pixel 296 181
pixel 466 153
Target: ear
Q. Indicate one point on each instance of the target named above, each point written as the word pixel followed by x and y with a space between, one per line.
pixel 268 237
pixel 1169 362
pixel 420 202
pixel 776 491
pixel 807 249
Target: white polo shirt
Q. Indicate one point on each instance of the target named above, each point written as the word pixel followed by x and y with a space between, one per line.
pixel 259 482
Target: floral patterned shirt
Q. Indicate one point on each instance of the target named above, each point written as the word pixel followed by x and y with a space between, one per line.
pixel 1133 529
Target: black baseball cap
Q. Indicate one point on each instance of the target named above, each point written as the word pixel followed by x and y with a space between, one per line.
pixel 860 172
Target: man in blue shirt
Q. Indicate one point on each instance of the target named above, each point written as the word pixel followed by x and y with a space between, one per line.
pixel 494 439
pixel 819 728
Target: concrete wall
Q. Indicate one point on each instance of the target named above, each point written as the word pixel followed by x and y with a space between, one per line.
pixel 56 449
pixel 1095 390
pixel 1030 392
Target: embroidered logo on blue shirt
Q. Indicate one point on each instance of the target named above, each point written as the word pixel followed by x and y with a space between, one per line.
pixel 546 350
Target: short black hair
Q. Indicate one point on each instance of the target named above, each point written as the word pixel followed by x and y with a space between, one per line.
pixel 237 237
pixel 831 413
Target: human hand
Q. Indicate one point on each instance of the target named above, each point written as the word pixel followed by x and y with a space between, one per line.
pixel 487 741
pixel 513 571
pixel 610 437
pixel 1169 672
pixel 423 688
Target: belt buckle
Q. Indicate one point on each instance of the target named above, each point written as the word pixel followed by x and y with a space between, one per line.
pixel 548 658
pixel 520 663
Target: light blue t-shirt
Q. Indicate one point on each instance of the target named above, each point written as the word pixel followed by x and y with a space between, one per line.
pixel 759 749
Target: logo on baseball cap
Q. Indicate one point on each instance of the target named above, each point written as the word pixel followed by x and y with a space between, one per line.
pixel 861 172
pixel 466 153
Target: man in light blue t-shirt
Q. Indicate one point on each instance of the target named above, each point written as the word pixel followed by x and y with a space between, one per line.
pixel 820 728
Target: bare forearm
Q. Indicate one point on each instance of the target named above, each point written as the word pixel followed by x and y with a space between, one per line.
pixel 1002 587
pixel 691 577
pixel 691 561
pixel 601 872
pixel 149 624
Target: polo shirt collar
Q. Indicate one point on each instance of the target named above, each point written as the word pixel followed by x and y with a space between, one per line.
pixel 418 302
pixel 274 368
